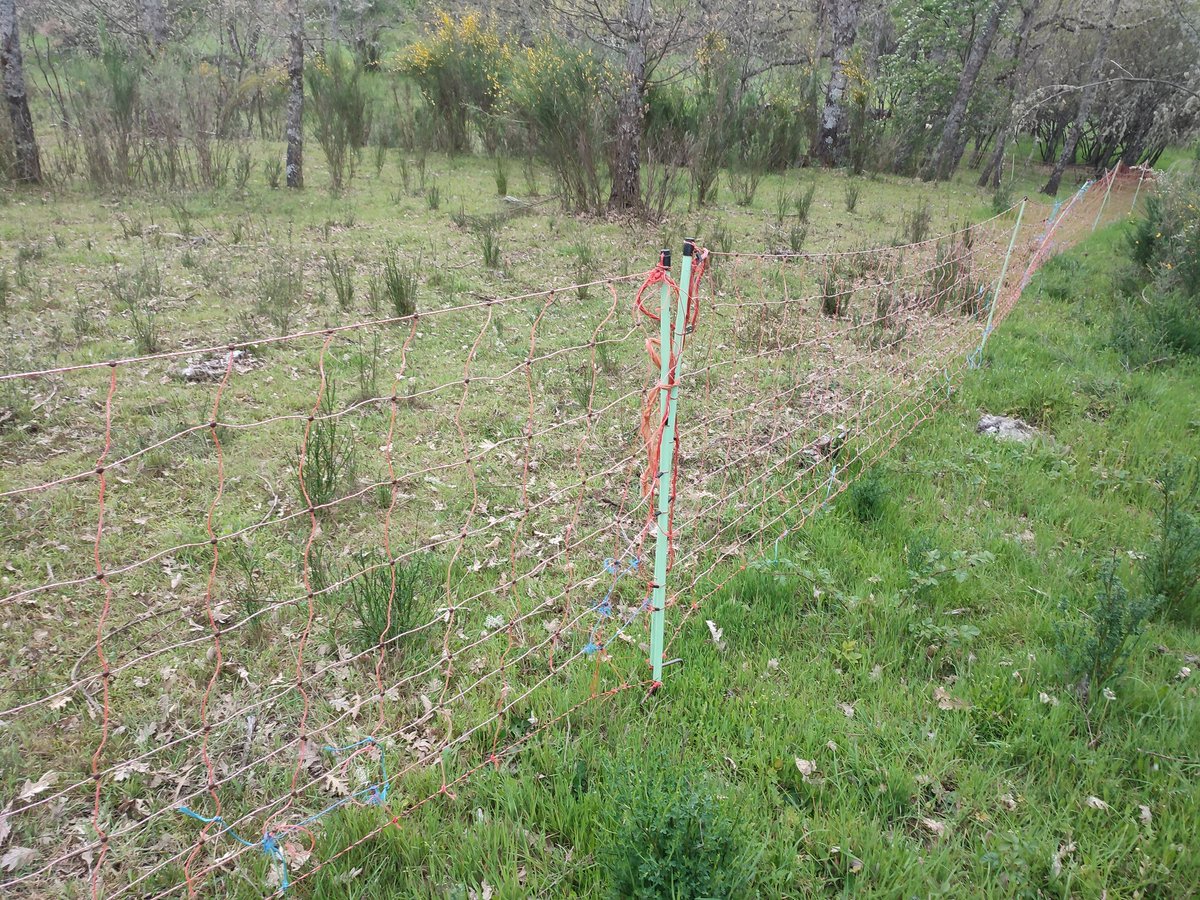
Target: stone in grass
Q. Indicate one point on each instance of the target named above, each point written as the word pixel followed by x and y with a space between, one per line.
pixel 212 368
pixel 1006 428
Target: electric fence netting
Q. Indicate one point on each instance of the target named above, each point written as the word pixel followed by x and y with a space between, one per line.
pixel 265 592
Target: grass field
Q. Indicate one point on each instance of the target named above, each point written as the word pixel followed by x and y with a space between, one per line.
pixel 883 711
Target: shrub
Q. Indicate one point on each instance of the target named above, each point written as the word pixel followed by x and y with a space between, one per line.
pixel 668 836
pixel 460 68
pixel 1095 651
pixel 280 287
pixel 915 222
pixel 386 600
pixel 327 458
pixel 716 103
pixel 556 92
pixel 1163 317
pixel 136 293
pixel 487 232
pixel 853 188
pixel 804 201
pixel 1172 565
pixel 867 498
pixel 400 284
pixel 340 112
pixel 835 293
pixel 341 274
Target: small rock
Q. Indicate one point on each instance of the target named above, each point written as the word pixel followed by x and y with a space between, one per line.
pixel 1006 428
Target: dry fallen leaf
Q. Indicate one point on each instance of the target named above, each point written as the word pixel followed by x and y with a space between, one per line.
pixel 17 858
pixel 33 788
pixel 945 701
pixel 1007 801
pixel 1096 803
pixel 1065 850
pixel 1145 815
pixel 933 826
pixel 847 710
pixel 806 766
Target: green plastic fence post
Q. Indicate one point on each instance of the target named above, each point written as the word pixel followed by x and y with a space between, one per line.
pixel 671 348
pixel 1111 176
pixel 1012 242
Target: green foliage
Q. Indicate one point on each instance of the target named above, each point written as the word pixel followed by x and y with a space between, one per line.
pixel 556 93
pixel 804 201
pixel 135 292
pixel 280 290
pixel 836 291
pixel 1096 650
pixel 327 458
pixel 1171 570
pixel 583 259
pixel 501 177
pixel 487 233
pixel 400 283
pixel 867 498
pixel 915 222
pixel 339 112
pixel 459 67
pixel 1162 317
pixel 853 189
pixel 386 600
pixel 341 274
pixel 669 836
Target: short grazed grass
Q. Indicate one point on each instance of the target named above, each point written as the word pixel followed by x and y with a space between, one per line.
pixel 885 713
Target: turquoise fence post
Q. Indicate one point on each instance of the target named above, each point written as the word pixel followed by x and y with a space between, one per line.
pixel 1110 177
pixel 670 351
pixel 987 329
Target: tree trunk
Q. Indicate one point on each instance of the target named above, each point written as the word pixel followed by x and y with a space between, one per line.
pixel 1023 63
pixel 626 191
pixel 831 142
pixel 154 24
pixel 29 163
pixel 295 102
pixel 1090 89
pixel 335 21
pixel 949 149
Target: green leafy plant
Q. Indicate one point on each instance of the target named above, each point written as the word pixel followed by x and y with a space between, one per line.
pixel 280 289
pixel 915 222
pixel 1095 649
pixel 501 177
pixel 339 111
pixel 835 293
pixel 853 189
pixel 327 459
pixel 804 201
pixel 558 93
pixel 386 600
pixel 1172 566
pixel 487 233
pixel 669 836
pixel 136 293
pixel 867 498
pixel 400 282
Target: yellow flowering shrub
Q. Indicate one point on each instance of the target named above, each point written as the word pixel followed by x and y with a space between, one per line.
pixel 562 95
pixel 459 67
